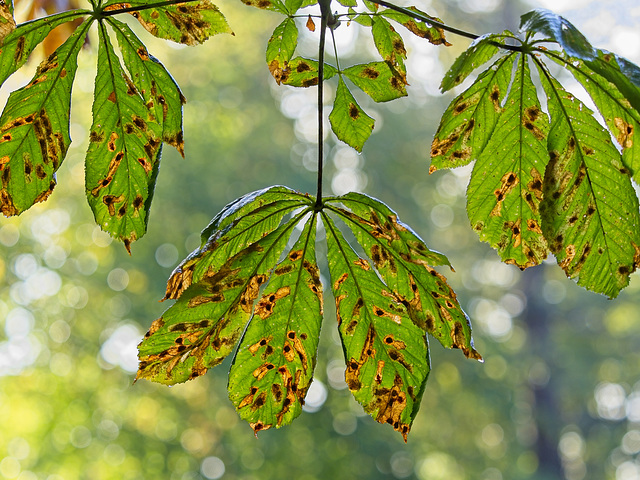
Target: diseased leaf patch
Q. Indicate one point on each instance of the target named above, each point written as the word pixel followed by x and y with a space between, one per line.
pixel 34 130
pixel 274 365
pixel 124 150
pixel 187 23
pixel 350 123
pixel 239 280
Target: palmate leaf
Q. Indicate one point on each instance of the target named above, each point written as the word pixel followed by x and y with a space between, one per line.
pixel 244 279
pixel 190 23
pixel 349 122
pixel 505 189
pixel 124 150
pixel 589 210
pixel 34 129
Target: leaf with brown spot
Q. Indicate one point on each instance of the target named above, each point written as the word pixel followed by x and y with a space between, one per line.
pixel 378 80
pixel 588 202
pixel 303 72
pixel 434 35
pixel 282 44
pixel 349 122
pixel 481 50
pixel 158 89
pixel 189 23
pixel 505 189
pixel 389 44
pixel 469 121
pixel 405 264
pixel 210 315
pixel 289 313
pixel 124 154
pixel 239 225
pixel 34 128
pixel 358 296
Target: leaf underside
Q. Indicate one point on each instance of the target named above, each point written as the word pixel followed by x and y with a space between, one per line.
pixel 254 274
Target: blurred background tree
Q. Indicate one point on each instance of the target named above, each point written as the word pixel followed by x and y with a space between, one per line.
pixel 557 398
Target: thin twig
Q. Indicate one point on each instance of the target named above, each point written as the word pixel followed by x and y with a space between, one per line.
pixel 325 8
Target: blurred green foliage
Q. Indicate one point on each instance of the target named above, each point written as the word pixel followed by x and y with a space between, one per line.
pixel 557 397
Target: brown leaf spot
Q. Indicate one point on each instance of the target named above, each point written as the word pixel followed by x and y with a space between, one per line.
pixel 625 132
pixel 494 96
pixel 155 326
pixel 339 282
pixel 112 97
pixel 570 251
pixel 371 73
pixel 380 367
pixel 508 181
pixel 138 202
pixel 110 201
pixel 264 308
pixel 354 113
pixel 251 292
pixel 362 263
pixel 262 370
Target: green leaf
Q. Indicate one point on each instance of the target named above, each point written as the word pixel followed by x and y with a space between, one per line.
pixel 19 43
pixel 559 30
pixel 159 91
pixel 378 80
pixel 274 364
pixel 293 6
pixel 404 263
pixel 434 35
pixel 349 122
pixel 390 45
pixel 387 355
pixel 479 52
pixel 303 72
pixel 205 323
pixel 348 3
pixel 505 190
pixel 238 226
pixel 124 150
pixel 34 129
pixel 468 122
pixel 589 209
pixel 189 23
pixel 617 99
pixel 282 44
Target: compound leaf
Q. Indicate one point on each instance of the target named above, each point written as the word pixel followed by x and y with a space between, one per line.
pixel 349 122
pixel 378 80
pixel 589 209
pixel 34 129
pixel 159 91
pixel 280 48
pixel 469 121
pixel 505 189
pixel 274 364
pixel 124 150
pixel 189 23
pixel 205 323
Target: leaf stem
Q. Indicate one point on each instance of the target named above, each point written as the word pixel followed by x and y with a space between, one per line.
pixel 325 8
